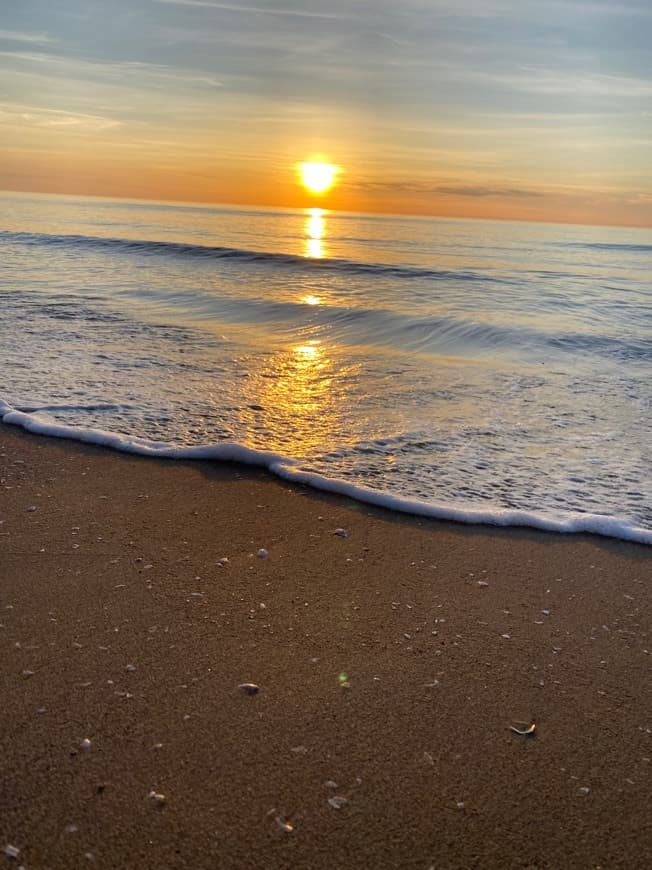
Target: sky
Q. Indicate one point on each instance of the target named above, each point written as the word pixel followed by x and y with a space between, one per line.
pixel 515 109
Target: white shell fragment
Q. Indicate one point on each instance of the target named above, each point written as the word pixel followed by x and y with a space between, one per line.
pixel 130 668
pixel 527 732
pixel 249 688
pixel 262 553
pixel 223 562
pixel 338 801
pixel 11 851
pixel 341 533
pixel 156 798
pixel 284 825
pixel 584 789
pixel 86 743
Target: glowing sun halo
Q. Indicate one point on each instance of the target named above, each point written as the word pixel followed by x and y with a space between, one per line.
pixel 317 177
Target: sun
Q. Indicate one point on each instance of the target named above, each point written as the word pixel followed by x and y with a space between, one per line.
pixel 318 177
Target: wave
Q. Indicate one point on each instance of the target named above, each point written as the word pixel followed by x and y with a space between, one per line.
pixel 287 469
pixel 451 335
pixel 609 246
pixel 213 252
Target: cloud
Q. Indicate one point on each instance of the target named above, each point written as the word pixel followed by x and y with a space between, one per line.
pixel 37 116
pixel 19 36
pixel 425 189
pixel 242 8
pixel 479 190
pixel 142 72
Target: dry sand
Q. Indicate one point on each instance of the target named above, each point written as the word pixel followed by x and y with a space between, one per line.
pixel 391 664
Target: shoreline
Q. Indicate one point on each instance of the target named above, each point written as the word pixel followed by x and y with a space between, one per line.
pixel 282 469
pixel 391 664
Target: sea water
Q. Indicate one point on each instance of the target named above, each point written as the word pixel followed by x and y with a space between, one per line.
pixel 475 370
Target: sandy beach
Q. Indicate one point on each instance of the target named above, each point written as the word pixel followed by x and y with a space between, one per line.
pixel 392 658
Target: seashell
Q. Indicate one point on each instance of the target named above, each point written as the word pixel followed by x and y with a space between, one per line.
pixel 249 688
pixel 527 732
pixel 284 825
pixel 338 801
pixel 156 797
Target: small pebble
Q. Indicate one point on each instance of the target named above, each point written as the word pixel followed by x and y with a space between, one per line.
pixel 482 583
pixel 11 851
pixel 262 553
pixel 341 533
pixel 249 688
pixel 337 801
pixel 584 789
pixel 27 673
pixel 330 784
pixel 86 743
pixel 156 798
pixel 130 668
pixel 284 825
pixel 223 562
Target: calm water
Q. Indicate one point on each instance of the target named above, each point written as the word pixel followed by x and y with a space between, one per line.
pixel 472 369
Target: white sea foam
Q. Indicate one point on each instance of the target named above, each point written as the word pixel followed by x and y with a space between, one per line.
pixel 286 468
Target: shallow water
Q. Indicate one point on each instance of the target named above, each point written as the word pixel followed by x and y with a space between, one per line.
pixel 471 369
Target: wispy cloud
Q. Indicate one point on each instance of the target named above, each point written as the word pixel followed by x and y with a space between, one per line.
pixel 245 8
pixel 38 116
pixel 144 73
pixel 430 189
pixel 20 36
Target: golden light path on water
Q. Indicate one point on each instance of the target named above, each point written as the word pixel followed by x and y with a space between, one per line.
pixel 315 230
pixel 292 390
pixel 295 387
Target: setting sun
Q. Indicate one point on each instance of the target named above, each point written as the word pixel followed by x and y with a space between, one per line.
pixel 318 177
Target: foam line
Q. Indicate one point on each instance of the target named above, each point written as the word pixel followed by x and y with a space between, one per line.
pixel 286 469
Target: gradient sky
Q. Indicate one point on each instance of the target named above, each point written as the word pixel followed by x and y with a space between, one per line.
pixel 527 109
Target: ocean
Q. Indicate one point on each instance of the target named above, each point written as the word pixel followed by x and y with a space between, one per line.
pixel 480 371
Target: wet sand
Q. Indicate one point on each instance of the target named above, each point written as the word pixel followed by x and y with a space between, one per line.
pixel 391 663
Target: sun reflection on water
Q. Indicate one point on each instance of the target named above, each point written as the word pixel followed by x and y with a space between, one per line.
pixel 315 230
pixel 295 390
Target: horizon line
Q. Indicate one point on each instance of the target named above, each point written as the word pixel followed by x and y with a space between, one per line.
pixel 298 209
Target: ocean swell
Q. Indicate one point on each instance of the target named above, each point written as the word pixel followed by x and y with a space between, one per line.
pixel 214 252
